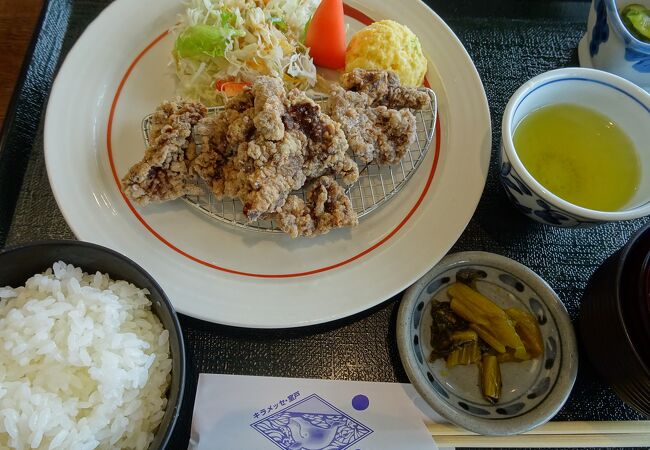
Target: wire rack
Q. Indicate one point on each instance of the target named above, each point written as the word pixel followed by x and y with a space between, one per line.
pixel 376 184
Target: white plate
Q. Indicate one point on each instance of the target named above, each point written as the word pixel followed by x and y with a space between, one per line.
pixel 118 72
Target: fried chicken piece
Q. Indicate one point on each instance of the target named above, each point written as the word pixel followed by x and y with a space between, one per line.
pixel 263 173
pixel 373 133
pixel 269 97
pixel 383 89
pixel 267 163
pixel 220 135
pixel 326 149
pixel 348 109
pixel 246 152
pixel 252 157
pixel 163 174
pixel 394 133
pixel 326 208
pixel 241 102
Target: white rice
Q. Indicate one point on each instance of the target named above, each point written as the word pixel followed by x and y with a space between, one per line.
pixel 84 363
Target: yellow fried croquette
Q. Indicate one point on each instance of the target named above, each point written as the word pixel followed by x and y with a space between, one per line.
pixel 388 45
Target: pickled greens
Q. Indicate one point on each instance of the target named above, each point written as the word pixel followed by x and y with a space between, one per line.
pixel 471 329
pixel 637 20
pixel 490 378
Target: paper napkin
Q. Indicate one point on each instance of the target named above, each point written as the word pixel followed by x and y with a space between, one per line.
pixel 258 413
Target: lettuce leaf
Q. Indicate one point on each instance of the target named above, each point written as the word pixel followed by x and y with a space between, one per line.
pixel 200 42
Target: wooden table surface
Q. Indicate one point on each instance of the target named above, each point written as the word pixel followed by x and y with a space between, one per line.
pixel 17 21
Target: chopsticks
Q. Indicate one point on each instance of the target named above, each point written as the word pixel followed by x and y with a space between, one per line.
pixel 551 434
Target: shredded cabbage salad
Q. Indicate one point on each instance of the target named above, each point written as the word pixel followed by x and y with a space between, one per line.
pixel 233 41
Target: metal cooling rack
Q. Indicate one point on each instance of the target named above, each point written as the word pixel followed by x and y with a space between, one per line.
pixel 376 184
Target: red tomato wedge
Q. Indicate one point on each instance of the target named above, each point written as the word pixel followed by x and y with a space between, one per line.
pixel 326 35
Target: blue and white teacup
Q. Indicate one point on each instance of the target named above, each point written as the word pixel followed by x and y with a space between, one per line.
pixel 608 45
pixel 622 101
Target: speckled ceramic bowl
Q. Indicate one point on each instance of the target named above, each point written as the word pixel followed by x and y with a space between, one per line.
pixel 533 391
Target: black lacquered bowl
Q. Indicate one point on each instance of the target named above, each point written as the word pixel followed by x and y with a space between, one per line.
pixel 615 318
pixel 17 264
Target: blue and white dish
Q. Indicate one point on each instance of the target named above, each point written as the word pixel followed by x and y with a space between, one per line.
pixel 608 45
pixel 622 101
pixel 533 391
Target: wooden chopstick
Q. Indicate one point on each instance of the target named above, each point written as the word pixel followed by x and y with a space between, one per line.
pixel 546 441
pixel 551 434
pixel 604 427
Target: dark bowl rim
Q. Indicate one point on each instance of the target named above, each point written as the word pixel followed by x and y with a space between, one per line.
pixel 620 266
pixel 165 300
pixel 644 275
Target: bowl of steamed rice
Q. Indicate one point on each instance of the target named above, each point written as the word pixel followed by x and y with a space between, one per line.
pixel 91 352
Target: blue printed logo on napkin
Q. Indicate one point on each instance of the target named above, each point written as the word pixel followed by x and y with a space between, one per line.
pixel 312 424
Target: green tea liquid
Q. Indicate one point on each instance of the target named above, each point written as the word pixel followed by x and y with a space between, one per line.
pixel 579 155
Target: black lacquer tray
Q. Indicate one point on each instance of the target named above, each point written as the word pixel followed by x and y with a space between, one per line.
pixel 510 42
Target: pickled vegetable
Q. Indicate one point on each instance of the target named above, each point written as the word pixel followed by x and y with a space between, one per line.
pixel 637 20
pixel 467 354
pixel 472 329
pixel 465 311
pixel 464 337
pixel 478 302
pixel 509 356
pixel 491 322
pixel 527 329
pixel 490 378
pixel 468 277
pixel 488 337
pixel 443 325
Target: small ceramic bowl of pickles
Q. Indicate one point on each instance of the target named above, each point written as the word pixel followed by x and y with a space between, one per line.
pixel 487 344
pixel 575 148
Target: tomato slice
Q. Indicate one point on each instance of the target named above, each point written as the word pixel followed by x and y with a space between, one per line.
pixel 326 35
